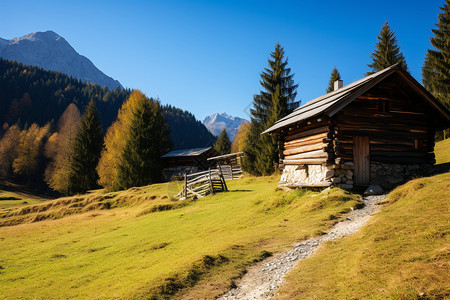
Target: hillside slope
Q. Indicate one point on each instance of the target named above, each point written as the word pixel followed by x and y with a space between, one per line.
pixel 50 51
pixel 403 253
pixel 142 244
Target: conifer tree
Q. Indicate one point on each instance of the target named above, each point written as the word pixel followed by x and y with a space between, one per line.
pixel 223 144
pixel 335 75
pixel 436 69
pixel 86 152
pixel 387 51
pixel 148 140
pixel 275 100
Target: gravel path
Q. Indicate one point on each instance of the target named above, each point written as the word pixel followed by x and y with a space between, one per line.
pixel 264 279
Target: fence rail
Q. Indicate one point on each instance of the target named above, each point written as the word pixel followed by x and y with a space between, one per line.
pixel 203 183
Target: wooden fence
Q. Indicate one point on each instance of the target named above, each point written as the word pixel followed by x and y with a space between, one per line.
pixel 230 171
pixel 202 183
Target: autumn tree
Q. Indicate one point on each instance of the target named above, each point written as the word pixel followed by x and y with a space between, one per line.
pixel 134 145
pixel 223 144
pixel 275 100
pixel 29 151
pixel 240 138
pixel 59 149
pixel 436 69
pixel 387 51
pixel 86 152
pixel 335 75
pixel 8 150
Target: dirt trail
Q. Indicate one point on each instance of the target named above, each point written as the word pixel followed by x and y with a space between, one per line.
pixel 264 279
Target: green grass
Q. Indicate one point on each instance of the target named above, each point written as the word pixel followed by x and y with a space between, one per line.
pixel 442 151
pixel 403 253
pixel 14 199
pixel 131 249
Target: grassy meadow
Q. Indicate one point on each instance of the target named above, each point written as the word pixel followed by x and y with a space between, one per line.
pixel 141 244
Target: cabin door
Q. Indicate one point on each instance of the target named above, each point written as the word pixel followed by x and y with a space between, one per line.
pixel 361 160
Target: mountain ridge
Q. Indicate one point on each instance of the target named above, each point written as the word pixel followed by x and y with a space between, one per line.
pixel 52 52
pixel 218 121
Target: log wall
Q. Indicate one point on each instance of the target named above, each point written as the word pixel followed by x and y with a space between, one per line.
pixel 397 123
pixel 307 143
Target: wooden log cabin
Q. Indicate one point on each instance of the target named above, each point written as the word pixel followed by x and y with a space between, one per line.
pixel 186 161
pixel 378 130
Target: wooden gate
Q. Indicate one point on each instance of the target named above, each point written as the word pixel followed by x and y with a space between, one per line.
pixel 361 159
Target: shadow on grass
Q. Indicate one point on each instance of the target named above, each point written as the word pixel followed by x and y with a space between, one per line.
pixel 232 191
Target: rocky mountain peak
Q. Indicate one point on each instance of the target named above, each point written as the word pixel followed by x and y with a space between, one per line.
pixel 50 51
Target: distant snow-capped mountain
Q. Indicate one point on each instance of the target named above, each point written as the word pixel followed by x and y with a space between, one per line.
pixel 218 121
pixel 50 51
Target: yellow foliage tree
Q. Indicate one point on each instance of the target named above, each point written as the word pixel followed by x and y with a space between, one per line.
pixel 29 150
pixel 8 149
pixel 59 150
pixel 115 142
pixel 240 138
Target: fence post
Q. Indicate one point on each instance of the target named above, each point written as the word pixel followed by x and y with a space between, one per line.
pixel 210 182
pixel 185 186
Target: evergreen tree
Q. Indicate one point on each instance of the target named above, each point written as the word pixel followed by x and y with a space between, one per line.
pixel 148 140
pixel 275 101
pixel 86 152
pixel 335 75
pixel 436 69
pixel 223 144
pixel 387 52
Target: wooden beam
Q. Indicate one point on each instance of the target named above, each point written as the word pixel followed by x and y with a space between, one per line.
pixel 316 161
pixel 306 148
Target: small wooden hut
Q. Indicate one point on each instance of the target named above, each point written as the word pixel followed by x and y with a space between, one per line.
pixel 377 130
pixel 186 161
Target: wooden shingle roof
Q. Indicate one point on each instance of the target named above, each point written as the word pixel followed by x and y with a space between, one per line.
pixel 329 104
pixel 186 152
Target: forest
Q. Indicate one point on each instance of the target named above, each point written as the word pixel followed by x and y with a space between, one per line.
pixel 44 130
pixel 34 95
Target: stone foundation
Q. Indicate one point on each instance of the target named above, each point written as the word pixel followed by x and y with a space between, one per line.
pixel 304 175
pixel 391 175
pixel 341 175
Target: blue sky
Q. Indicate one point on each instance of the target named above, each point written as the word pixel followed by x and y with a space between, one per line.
pixel 206 56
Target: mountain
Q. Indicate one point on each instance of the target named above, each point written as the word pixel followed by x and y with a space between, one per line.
pixel 216 122
pixel 50 51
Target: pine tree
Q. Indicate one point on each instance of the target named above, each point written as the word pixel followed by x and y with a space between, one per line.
pixel 223 144
pixel 335 75
pixel 436 68
pixel 148 140
pixel 387 52
pixel 86 152
pixel 275 101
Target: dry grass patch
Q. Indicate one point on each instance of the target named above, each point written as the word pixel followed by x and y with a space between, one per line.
pixel 403 253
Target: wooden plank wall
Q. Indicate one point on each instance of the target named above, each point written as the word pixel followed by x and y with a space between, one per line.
pixel 307 143
pixel 403 134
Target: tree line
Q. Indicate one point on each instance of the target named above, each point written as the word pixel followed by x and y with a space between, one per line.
pixel 76 158
pixel 31 94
